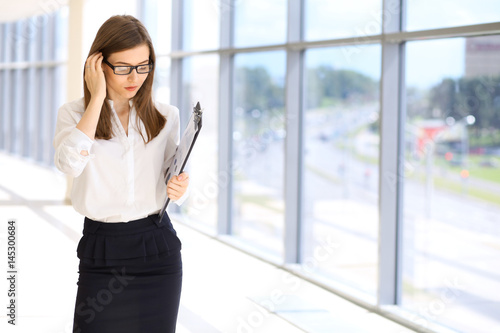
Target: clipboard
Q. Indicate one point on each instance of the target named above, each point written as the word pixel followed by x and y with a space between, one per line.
pixel 183 150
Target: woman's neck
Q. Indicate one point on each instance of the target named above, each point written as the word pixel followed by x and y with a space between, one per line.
pixel 121 106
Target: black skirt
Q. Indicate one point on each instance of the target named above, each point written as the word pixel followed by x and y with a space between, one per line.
pixel 130 277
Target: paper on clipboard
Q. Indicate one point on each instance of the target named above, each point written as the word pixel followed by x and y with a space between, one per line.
pixel 184 149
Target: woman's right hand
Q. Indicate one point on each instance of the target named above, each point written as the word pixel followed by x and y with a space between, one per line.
pixel 94 76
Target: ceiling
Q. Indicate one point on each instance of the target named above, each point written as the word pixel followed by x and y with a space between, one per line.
pixel 13 10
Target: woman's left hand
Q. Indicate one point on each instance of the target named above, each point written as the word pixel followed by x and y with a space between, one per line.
pixel 177 186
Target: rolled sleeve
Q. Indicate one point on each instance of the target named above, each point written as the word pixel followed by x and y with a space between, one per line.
pixel 69 158
pixel 69 141
pixel 79 140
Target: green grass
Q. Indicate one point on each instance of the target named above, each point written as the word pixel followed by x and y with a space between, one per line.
pixel 475 192
pixel 489 174
pixel 439 183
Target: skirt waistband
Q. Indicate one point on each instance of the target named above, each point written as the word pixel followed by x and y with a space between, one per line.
pixel 140 240
pixel 126 228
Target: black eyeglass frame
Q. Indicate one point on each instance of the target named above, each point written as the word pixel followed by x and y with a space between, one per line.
pixel 131 68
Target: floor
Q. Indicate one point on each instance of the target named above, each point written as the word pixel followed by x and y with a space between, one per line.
pixel 224 289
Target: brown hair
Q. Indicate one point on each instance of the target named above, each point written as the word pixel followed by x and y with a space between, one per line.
pixel 119 33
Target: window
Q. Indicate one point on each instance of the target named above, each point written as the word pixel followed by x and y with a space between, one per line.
pixel 432 14
pixel 341 145
pixel 31 75
pixel 452 182
pixel 200 84
pixel 258 149
pixel 157 17
pixel 201 25
pixel 331 19
pixel 259 22
pixel 338 63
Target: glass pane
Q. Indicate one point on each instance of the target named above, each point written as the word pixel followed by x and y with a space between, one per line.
pixel 61 44
pixel 341 157
pixel 432 14
pixel 41 96
pixel 96 12
pixel 201 25
pixel 3 110
pixel 20 40
pixel 3 41
pixel 200 84
pixel 161 86
pixel 10 42
pixel 60 96
pixel 17 117
pixel 5 106
pixel 258 149
pixel 45 38
pixel 22 108
pixel 330 19
pixel 157 19
pixel 451 217
pixel 259 22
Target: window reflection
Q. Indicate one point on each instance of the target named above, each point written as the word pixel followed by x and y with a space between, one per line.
pixel 452 183
pixel 341 145
pixel 258 149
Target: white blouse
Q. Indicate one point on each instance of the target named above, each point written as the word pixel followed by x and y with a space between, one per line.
pixel 122 179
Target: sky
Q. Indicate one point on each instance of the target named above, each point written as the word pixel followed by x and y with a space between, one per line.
pixel 428 62
pixel 432 14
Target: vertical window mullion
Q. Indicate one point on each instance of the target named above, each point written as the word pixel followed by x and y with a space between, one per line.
pixel 176 65
pixel 390 177
pixel 293 147
pixel 225 121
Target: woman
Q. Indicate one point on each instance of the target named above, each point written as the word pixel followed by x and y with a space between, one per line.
pixel 117 144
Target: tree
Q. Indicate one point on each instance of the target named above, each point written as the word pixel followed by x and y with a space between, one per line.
pixel 478 96
pixel 327 86
pixel 255 90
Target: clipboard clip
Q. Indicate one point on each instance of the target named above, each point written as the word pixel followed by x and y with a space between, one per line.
pixel 197 111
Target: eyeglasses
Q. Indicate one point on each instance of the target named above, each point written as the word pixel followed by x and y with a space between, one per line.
pixel 126 70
